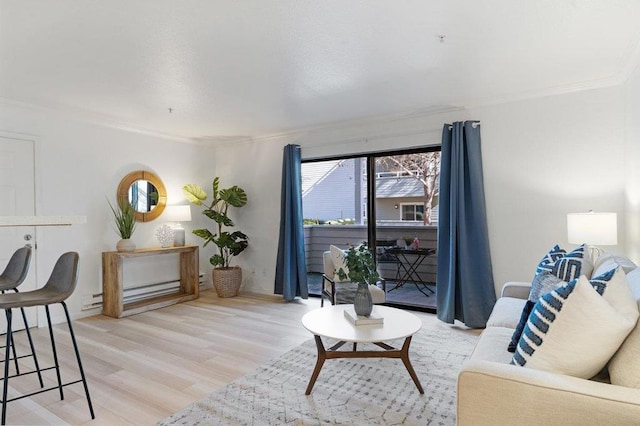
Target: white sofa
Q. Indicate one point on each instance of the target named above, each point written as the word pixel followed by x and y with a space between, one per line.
pixel 493 392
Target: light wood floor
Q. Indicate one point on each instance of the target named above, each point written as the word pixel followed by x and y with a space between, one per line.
pixel 143 368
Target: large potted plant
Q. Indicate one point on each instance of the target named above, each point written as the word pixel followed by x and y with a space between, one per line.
pixel 125 220
pixel 226 278
pixel 361 269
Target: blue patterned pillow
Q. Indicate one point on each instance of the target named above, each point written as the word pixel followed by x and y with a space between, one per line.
pixel 549 259
pixel 576 328
pixel 572 265
pixel 555 268
pixel 542 284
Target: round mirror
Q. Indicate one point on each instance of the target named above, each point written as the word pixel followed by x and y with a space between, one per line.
pixel 145 192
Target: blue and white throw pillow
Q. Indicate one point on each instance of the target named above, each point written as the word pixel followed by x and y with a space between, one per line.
pixel 566 266
pixel 573 264
pixel 549 259
pixel 556 267
pixel 542 284
pixel 576 328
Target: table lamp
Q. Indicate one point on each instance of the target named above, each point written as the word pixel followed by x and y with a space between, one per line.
pixel 176 215
pixel 593 229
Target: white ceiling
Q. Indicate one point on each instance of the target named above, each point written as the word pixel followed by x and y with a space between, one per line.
pixel 248 67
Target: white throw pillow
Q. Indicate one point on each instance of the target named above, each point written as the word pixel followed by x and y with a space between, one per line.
pixel 574 330
pixel 339 261
pixel 633 279
pixel 614 287
pixel 609 261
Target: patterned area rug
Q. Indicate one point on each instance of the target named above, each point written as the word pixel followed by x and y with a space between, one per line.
pixel 347 392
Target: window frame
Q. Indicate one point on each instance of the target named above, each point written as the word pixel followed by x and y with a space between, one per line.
pixel 370 168
pixel 414 204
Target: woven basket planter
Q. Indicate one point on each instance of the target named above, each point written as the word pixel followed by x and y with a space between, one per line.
pixel 227 281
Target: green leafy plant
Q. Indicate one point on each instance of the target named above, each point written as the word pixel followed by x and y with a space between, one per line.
pixel 361 266
pixel 229 244
pixel 124 217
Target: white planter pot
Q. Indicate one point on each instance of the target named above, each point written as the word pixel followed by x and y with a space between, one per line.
pixel 125 244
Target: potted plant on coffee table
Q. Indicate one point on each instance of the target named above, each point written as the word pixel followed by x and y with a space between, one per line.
pixel 226 278
pixel 125 220
pixel 361 269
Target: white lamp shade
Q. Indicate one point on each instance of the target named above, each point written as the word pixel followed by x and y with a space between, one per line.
pixel 593 228
pixel 177 214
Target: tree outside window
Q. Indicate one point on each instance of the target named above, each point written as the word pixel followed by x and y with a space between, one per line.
pixel 424 167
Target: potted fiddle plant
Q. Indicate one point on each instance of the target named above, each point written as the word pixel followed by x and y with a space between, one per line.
pixel 226 278
pixel 361 269
pixel 125 220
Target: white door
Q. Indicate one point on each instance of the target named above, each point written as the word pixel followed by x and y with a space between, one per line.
pixel 17 199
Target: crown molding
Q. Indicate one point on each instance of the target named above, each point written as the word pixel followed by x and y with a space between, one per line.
pixel 360 122
pixel 581 86
pixel 90 117
pixel 630 61
pixel 627 68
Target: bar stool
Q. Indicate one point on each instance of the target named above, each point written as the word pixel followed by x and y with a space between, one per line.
pixel 58 288
pixel 13 275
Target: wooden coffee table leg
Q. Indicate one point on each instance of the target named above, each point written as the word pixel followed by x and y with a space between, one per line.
pixel 322 355
pixel 404 355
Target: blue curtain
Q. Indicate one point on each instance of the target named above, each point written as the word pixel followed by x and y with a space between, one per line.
pixel 291 271
pixel 464 286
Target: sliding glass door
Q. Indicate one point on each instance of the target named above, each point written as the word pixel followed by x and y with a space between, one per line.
pixel 334 204
pixel 406 209
pixel 400 223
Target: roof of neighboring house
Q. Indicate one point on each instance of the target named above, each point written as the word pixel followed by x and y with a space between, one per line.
pixel 399 187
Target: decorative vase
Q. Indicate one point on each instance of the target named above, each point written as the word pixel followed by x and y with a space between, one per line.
pixel 362 303
pixel 125 244
pixel 227 281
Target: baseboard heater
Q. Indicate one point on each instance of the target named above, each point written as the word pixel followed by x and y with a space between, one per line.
pixel 132 294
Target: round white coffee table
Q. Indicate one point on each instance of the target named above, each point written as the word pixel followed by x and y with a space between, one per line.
pixel 330 322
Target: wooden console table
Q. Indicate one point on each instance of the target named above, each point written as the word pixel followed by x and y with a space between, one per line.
pixel 112 281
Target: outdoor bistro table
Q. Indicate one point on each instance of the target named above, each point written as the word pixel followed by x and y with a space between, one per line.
pixel 408 262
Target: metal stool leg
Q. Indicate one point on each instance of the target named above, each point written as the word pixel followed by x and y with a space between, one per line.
pixel 75 347
pixel 55 353
pixel 15 356
pixel 33 350
pixel 7 352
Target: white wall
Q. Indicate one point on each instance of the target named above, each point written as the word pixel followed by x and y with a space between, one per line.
pixel 543 158
pixel 631 91
pixel 79 166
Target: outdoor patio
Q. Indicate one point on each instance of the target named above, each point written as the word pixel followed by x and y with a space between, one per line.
pixel 407 296
pixel 392 268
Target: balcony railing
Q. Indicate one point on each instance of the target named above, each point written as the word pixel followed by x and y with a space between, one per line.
pixel 318 238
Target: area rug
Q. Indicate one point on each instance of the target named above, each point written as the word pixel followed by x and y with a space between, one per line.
pixel 347 392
